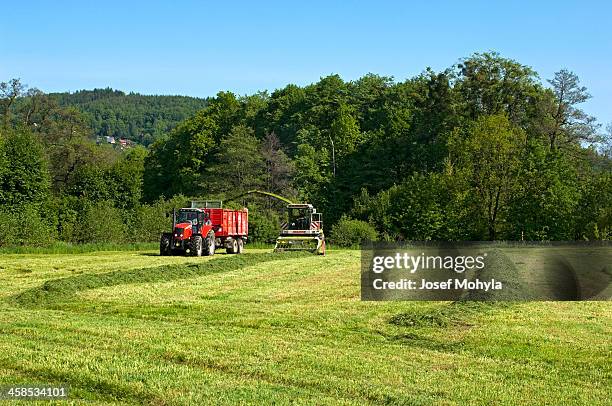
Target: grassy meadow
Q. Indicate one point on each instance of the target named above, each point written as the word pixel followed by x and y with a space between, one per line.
pixel 131 327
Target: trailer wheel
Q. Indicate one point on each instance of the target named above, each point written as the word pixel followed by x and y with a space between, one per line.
pixel 240 246
pixel 196 246
pixel 209 244
pixel 233 248
pixel 164 245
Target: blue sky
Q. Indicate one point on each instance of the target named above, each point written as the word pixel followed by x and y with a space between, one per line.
pixel 198 48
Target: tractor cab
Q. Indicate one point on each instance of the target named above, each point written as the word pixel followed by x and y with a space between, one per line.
pixel 187 216
pixel 188 222
pixel 196 217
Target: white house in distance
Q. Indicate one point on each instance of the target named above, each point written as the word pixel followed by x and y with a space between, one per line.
pixel 122 143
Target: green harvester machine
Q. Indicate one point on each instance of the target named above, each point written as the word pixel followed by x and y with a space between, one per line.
pixel 303 231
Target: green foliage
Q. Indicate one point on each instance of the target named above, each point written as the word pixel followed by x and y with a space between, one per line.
pixel 239 162
pixel 126 177
pixel 489 84
pixel 91 182
pixel 264 226
pixel 312 172
pixel 24 178
pixel 176 164
pixel 349 232
pixel 344 131
pixel 148 222
pixel 488 153
pixel 416 208
pixel 279 168
pixel 100 222
pixel 68 209
pixel 423 207
pixel 25 225
pixel 65 248
pixel 543 204
pixel 594 209
pixel 376 210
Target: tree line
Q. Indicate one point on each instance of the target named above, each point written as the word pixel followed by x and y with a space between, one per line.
pixel 483 150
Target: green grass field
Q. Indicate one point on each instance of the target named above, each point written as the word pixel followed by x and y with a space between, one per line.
pixel 132 327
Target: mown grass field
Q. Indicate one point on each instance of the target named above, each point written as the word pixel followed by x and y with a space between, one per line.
pixel 133 327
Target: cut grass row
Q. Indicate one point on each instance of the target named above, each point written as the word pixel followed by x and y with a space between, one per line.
pixel 69 248
pixel 59 290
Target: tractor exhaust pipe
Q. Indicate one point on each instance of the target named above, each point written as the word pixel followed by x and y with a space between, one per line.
pixel 173 219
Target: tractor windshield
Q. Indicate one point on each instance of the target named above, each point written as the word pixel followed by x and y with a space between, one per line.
pixel 299 219
pixel 185 216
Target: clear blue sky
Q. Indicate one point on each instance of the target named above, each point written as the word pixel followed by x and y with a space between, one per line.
pixel 198 48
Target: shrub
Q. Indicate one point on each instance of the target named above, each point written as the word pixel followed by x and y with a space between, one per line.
pixel 23 225
pixel 263 226
pixel 68 209
pixel 348 232
pixel 148 222
pixel 100 223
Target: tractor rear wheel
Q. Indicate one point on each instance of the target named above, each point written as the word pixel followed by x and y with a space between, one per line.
pixel 240 246
pixel 209 244
pixel 164 245
pixel 196 246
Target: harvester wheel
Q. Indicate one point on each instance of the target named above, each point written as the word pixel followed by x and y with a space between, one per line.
pixel 196 246
pixel 233 247
pixel 240 246
pixel 164 245
pixel 209 244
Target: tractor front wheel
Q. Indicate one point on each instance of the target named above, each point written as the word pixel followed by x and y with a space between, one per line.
pixel 196 246
pixel 164 245
pixel 209 244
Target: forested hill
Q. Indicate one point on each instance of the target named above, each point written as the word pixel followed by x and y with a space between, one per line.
pixel 141 118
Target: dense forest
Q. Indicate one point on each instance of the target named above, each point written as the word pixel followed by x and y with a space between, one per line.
pixel 484 150
pixel 140 118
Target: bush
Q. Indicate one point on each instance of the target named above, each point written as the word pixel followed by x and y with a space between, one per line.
pixel 100 222
pixel 23 225
pixel 264 226
pixel 348 232
pixel 68 209
pixel 148 222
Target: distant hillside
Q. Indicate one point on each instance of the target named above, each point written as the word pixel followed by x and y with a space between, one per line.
pixel 140 118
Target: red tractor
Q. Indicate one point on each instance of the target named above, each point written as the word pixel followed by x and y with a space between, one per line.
pixel 199 231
